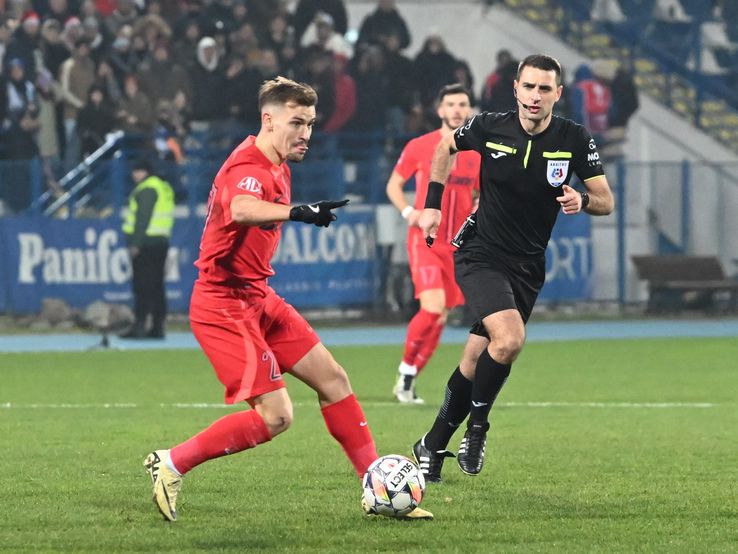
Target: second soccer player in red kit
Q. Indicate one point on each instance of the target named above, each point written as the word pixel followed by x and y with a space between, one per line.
pixel 250 334
pixel 432 270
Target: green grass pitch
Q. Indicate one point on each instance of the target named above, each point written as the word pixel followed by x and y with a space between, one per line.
pixel 601 446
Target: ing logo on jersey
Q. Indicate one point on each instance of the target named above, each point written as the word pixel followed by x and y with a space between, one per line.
pixel 556 172
pixel 249 184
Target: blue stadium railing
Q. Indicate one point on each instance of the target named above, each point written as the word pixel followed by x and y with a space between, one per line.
pixel 668 44
pixel 354 164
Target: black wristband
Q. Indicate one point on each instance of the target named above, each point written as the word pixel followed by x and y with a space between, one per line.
pixel 585 199
pixel 434 196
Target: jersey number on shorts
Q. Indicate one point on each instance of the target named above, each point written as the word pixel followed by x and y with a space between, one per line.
pixel 274 374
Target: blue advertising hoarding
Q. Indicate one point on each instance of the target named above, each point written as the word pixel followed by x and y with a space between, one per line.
pixel 569 266
pixel 81 261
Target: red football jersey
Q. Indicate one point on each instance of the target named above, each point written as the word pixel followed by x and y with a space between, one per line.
pixel 457 197
pixel 239 255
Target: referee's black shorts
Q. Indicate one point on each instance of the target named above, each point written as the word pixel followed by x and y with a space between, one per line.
pixel 492 283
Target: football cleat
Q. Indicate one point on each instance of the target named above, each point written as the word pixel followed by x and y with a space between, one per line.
pixel 166 483
pixel 417 513
pixel 430 462
pixel 472 448
pixel 404 390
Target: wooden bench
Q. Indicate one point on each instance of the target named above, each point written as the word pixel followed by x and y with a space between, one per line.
pixel 678 282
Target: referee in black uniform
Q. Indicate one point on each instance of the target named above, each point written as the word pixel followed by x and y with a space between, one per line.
pixel 528 159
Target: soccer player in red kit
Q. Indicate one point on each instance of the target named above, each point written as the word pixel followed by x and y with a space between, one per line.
pixel 432 270
pixel 251 335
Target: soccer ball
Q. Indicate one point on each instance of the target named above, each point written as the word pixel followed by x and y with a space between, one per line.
pixel 393 485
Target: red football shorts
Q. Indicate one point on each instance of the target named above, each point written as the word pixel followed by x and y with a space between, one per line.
pixel 433 268
pixel 249 340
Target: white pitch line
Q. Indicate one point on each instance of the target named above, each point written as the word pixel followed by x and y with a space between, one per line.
pixel 206 405
pixel 609 404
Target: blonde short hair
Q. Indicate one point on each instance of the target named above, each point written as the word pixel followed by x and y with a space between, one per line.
pixel 281 91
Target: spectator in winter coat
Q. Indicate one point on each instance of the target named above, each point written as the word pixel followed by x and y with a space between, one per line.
pixel 76 76
pixel 434 68
pixel 22 44
pixel 95 120
pixel 345 88
pixel 383 21
pixel 207 78
pixel 497 93
pixel 20 129
pixel 590 102
pixel 306 10
pixel 135 113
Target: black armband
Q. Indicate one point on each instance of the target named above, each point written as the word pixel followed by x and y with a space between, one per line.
pixel 585 199
pixel 434 196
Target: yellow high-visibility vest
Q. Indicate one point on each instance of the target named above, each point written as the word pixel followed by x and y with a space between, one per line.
pixel 162 218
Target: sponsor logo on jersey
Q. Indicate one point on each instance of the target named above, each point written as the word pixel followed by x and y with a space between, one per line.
pixel 496 155
pixel 556 172
pixel 250 184
pixel 593 157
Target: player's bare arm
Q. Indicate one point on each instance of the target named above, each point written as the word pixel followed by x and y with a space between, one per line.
pixel 397 197
pixel 249 210
pixel 597 201
pixel 443 159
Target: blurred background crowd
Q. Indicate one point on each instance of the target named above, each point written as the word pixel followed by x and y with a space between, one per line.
pixel 75 70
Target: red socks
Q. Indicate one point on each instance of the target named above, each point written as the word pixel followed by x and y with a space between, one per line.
pixel 228 435
pixel 346 423
pixel 423 334
pixel 242 430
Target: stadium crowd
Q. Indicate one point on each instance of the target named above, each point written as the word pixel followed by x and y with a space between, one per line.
pixel 75 70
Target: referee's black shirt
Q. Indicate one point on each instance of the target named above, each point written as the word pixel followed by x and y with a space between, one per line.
pixel 520 177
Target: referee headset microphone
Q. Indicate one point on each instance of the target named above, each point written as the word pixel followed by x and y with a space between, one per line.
pixel 515 92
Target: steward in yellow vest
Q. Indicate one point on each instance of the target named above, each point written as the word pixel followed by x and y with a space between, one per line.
pixel 148 227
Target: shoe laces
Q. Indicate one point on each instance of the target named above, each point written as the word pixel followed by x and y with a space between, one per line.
pixel 475 438
pixel 475 442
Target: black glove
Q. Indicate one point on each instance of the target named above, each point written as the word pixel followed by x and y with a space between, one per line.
pixel 318 213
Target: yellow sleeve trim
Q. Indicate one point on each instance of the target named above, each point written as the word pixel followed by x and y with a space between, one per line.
pixel 595 177
pixel 557 155
pixel 501 147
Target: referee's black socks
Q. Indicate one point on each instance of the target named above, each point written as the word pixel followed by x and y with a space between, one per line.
pixel 489 378
pixel 453 411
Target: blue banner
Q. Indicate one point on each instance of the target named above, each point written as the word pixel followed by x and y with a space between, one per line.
pixel 81 261
pixel 334 266
pixel 569 268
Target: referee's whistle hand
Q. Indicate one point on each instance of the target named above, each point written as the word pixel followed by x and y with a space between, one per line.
pixel 429 221
pixel 571 200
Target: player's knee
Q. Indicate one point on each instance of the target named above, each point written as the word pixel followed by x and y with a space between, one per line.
pixel 277 420
pixel 506 349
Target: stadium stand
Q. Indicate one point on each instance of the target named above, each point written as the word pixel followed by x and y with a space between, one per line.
pixel 683 53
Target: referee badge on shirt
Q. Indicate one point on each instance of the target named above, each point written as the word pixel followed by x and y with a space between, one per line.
pixel 556 172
